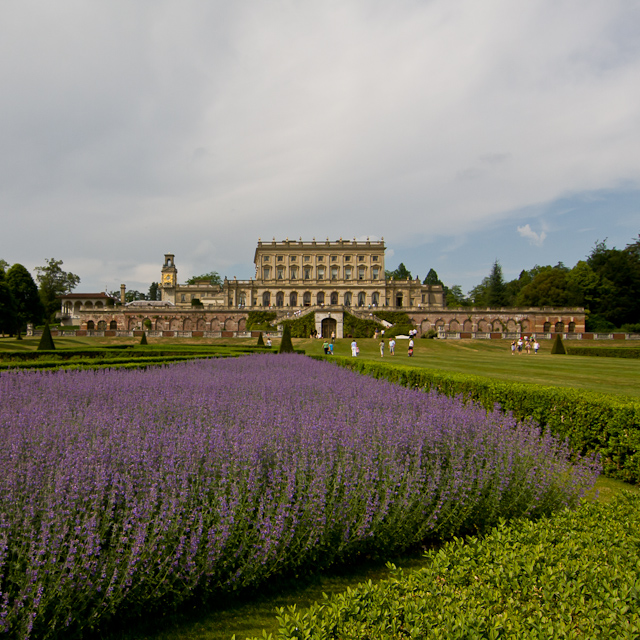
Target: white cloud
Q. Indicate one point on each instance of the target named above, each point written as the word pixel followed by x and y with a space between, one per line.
pixel 131 129
pixel 533 237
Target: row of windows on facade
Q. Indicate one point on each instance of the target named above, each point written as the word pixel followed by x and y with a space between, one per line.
pixel 318 258
pixel 307 273
pixel 306 298
pixel 321 299
pixel 293 299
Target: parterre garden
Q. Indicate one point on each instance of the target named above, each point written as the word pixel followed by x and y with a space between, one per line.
pixel 127 492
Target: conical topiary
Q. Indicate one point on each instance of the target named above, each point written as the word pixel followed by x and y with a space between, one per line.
pixel 260 340
pixel 143 340
pixel 46 341
pixel 286 346
pixel 558 345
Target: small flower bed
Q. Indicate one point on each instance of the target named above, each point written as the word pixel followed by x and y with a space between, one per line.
pixel 126 491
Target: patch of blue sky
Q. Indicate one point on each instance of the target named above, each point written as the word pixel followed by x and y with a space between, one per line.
pixel 564 230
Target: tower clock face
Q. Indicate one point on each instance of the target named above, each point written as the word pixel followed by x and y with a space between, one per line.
pixel 167 279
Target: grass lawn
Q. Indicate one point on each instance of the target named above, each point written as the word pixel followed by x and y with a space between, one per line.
pixel 491 358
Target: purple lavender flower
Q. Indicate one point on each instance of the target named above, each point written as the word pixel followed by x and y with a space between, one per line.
pixel 124 489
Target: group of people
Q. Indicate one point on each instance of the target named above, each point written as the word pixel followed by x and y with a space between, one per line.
pixel 525 343
pixel 392 347
pixel 355 350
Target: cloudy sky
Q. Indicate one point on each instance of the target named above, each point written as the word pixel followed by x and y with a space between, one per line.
pixel 459 131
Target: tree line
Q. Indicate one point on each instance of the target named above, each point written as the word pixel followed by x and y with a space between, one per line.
pixel 606 284
pixel 23 302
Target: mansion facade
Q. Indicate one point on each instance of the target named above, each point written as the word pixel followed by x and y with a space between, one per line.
pixel 295 274
pixel 292 278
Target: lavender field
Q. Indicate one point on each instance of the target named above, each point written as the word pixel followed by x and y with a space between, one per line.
pixel 122 492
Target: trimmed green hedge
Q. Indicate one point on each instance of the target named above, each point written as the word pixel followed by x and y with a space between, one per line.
pixel 110 363
pixel 592 422
pixel 574 575
pixel 603 352
pixel 135 357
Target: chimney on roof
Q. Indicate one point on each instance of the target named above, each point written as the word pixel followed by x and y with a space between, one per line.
pixel 123 288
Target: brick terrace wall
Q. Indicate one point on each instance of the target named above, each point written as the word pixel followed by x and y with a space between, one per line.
pixel 462 322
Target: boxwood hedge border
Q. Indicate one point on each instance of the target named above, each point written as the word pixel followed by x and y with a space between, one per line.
pixel 573 575
pixel 603 352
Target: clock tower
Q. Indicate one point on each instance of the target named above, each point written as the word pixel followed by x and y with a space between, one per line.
pixel 169 278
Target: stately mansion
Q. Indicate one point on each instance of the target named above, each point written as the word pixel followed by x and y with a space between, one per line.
pixel 296 275
pixel 326 278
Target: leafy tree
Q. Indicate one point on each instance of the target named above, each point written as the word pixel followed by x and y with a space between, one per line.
pixel 548 288
pixel 618 272
pixel 401 273
pixel 584 284
pixel 213 277
pixel 634 248
pixel 154 292
pixel 479 295
pixel 432 278
pixel 513 287
pixel 53 283
pixel 29 307
pixel 454 297
pixel 8 311
pixel 133 294
pixel 4 265
pixel 496 290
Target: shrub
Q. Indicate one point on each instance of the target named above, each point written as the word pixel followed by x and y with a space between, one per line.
pixel 570 576
pixel 432 333
pixel 558 346
pixel 286 346
pixel 301 327
pixel 46 341
pixel 260 340
pixel 143 340
pixel 398 330
pixel 260 318
pixel 360 327
pixel 603 352
pixel 394 317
